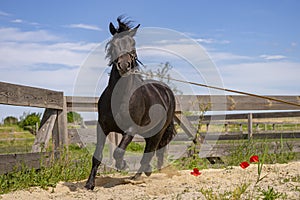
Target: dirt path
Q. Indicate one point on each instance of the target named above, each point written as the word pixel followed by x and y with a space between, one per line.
pixel 172 184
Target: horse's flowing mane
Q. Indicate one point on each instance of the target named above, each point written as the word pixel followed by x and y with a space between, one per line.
pixel 125 25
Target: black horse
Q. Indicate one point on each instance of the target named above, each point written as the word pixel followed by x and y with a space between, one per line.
pixel 130 105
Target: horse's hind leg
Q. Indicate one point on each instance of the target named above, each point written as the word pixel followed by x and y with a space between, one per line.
pixel 151 146
pixel 160 157
pixel 120 151
pixel 97 158
pixel 165 140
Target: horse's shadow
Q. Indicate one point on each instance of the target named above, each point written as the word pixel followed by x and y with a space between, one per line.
pixel 105 182
pixel 108 182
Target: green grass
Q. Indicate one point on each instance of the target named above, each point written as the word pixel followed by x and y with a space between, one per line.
pixel 135 147
pixel 13 129
pixel 16 146
pixel 271 194
pixel 76 165
pixel 247 148
pixel 241 150
pixel 73 166
pixel 235 194
pixel 14 139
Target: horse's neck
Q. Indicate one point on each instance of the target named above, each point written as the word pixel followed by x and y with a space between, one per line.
pixel 114 77
pixel 125 85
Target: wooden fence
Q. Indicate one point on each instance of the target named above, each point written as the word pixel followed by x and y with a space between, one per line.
pixel 54 122
pixel 256 128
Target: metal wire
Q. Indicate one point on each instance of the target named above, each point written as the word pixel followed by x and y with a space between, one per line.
pixel 218 88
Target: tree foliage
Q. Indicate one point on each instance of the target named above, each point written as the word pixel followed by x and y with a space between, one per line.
pixel 30 121
pixel 10 120
pixel 162 73
pixel 74 117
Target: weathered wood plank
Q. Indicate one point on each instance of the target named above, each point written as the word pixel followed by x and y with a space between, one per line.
pixel 11 162
pixel 62 125
pixel 60 132
pixel 188 128
pixel 250 126
pixel 193 103
pixel 45 131
pixel 235 102
pixel 185 124
pixel 19 95
pixel 82 104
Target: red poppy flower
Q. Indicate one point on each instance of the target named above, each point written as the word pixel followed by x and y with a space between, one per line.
pixel 196 172
pixel 254 159
pixel 244 165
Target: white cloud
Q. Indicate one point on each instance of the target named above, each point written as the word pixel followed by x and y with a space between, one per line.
pixel 212 41
pixel 4 13
pixel 294 44
pixel 52 64
pixel 17 21
pixel 273 57
pixel 16 35
pixel 21 21
pixel 225 56
pixel 85 26
pixel 278 77
pixel 60 80
pixel 205 41
pixel 20 55
pixel 19 49
pixel 240 72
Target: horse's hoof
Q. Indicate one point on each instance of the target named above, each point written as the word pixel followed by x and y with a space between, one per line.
pixel 148 173
pixel 121 166
pixel 89 186
pixel 136 176
pixel 148 170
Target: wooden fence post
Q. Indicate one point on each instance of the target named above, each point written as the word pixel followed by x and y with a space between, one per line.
pixel 60 131
pixel 63 125
pixel 188 128
pixel 44 133
pixel 250 126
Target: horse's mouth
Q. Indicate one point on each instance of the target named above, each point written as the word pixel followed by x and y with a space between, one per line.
pixel 126 72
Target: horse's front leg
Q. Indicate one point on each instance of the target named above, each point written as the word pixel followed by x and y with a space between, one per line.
pixel 97 158
pixel 120 151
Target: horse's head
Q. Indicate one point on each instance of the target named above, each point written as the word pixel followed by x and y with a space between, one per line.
pixel 120 49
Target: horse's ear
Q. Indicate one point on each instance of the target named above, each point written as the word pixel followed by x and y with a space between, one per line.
pixel 112 29
pixel 133 31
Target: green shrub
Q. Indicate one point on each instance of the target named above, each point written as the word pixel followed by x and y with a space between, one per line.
pixel 135 147
pixel 74 117
pixel 10 120
pixel 73 166
pixel 30 121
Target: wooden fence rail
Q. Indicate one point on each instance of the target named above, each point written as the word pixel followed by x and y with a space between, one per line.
pixel 19 95
pixel 53 123
pixel 192 102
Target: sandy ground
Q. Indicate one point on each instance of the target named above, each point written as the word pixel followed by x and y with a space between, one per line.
pixel 173 184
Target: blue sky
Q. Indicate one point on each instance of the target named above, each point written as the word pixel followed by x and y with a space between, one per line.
pixel 254 44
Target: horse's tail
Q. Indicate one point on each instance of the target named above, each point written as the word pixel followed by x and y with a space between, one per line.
pixel 168 135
